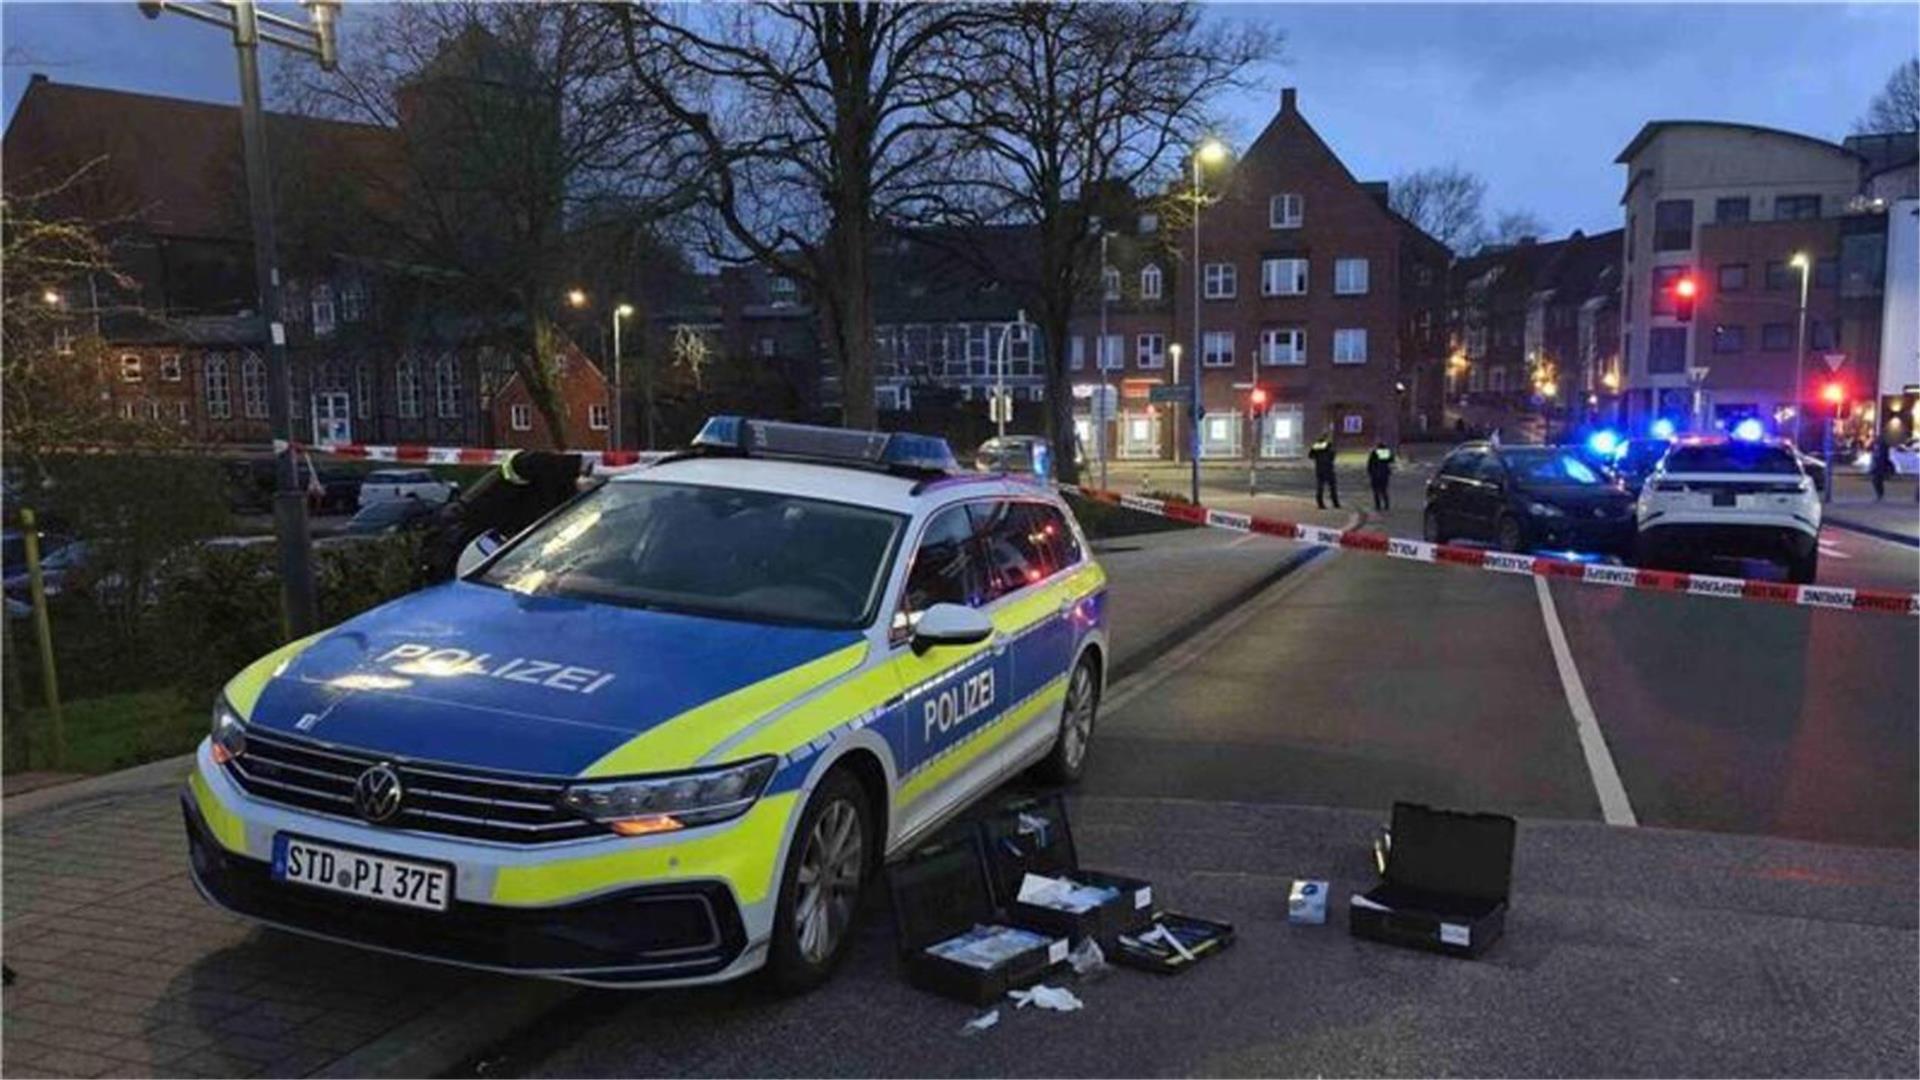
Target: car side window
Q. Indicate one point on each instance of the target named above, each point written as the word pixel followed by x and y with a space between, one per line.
pixel 1487 468
pixel 1458 465
pixel 947 567
pixel 1058 533
pixel 1019 552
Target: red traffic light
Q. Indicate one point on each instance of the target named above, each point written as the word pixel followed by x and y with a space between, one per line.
pixel 1833 393
pixel 1259 396
pixel 1686 288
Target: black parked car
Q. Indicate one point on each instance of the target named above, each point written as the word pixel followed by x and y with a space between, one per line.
pixel 1525 497
pixel 1636 460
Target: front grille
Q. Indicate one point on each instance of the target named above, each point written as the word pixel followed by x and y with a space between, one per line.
pixel 440 799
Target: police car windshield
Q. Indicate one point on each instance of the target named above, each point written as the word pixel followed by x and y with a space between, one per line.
pixel 724 552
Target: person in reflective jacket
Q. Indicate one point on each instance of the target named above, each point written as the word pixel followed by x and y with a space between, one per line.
pixel 1324 483
pixel 1380 462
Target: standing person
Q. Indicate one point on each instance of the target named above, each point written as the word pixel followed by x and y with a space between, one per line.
pixel 1881 467
pixel 1324 483
pixel 1379 471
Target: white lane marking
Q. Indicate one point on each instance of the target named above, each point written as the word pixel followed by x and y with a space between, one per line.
pixel 1614 806
pixel 1171 662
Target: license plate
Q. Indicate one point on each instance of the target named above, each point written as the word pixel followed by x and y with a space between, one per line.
pixel 362 873
pixel 1724 498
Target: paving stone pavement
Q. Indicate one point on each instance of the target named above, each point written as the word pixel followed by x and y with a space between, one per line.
pixel 123 970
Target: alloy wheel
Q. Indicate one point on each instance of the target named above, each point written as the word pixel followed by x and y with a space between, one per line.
pixel 1076 730
pixel 831 868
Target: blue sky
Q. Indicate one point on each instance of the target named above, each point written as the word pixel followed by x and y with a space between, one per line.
pixel 1537 98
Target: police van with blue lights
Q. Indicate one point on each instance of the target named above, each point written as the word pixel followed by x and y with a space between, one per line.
pixel 665 735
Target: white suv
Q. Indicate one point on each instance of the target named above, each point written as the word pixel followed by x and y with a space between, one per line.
pixel 1731 498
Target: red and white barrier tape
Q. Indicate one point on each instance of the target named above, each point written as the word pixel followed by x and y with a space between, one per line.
pixel 410 454
pixel 1501 562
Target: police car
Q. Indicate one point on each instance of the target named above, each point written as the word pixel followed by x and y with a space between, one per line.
pixel 664 735
pixel 1741 497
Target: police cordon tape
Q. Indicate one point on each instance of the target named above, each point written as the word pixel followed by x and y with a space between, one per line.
pixel 1501 562
pixel 413 454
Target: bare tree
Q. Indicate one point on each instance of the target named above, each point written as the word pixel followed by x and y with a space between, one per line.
pixel 812 127
pixel 1513 226
pixel 510 122
pixel 1066 112
pixel 1445 201
pixel 1896 107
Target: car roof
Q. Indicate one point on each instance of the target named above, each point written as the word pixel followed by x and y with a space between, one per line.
pixel 837 483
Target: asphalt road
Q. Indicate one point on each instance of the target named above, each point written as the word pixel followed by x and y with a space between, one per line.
pixel 1757 917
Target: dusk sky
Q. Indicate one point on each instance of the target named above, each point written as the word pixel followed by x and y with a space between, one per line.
pixel 1536 98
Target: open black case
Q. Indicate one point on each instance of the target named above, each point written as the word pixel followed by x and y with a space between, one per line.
pixel 940 893
pixel 1032 836
pixel 1447 878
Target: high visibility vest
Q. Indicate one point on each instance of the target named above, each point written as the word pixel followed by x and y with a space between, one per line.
pixel 1382 453
pixel 1321 445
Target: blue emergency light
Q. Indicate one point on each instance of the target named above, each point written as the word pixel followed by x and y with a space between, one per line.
pixel 1604 443
pixel 1663 428
pixel 1750 430
pixel 838 446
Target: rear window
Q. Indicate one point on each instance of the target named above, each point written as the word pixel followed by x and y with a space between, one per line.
pixel 1643 453
pixel 1550 467
pixel 1732 458
pixel 398 477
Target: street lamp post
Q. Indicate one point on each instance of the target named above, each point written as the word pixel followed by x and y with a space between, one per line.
pixel 1209 151
pixel 250 27
pixel 1174 350
pixel 1802 263
pixel 1100 358
pixel 625 311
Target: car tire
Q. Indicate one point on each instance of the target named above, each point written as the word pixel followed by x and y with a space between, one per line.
pixel 1430 527
pixel 1801 570
pixel 1067 761
pixel 1509 534
pixel 832 854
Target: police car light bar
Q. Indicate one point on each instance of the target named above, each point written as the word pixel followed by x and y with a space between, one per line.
pixel 875 449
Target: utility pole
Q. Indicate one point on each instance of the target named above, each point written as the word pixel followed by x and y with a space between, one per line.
pixel 1100 357
pixel 1804 263
pixel 622 311
pixel 250 26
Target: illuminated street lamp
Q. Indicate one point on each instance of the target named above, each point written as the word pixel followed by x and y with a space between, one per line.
pixel 625 311
pixel 50 298
pixel 1802 263
pixel 1209 152
pixel 576 298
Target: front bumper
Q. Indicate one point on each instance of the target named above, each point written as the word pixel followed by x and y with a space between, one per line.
pixel 623 926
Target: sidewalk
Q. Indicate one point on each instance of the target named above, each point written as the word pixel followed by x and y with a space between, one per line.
pixel 1895 518
pixel 124 971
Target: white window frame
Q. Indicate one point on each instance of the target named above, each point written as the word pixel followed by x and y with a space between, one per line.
pixel 1110 283
pixel 980 336
pixel 132 367
pixel 353 300
pixel 1076 353
pixel 1290 272
pixel 1286 210
pixel 1211 355
pixel 1150 283
pixel 447 388
pixel 782 290
pixel 170 367
pixel 1346 336
pixel 1342 273
pixel 1113 352
pixel 218 388
pixel 253 387
pixel 1221 282
pixel 520 416
pixel 1295 338
pixel 1233 423
pixel 597 416
pixel 1150 352
pixel 129 409
pixel 323 312
pixel 406 389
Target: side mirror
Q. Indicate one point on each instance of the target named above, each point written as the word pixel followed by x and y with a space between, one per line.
pixel 476 552
pixel 950 624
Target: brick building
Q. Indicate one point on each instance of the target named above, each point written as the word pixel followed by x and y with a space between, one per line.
pixel 1310 287
pixel 374 353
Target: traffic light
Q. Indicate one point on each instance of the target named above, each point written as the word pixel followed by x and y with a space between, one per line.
pixel 1834 393
pixel 1685 289
pixel 1258 400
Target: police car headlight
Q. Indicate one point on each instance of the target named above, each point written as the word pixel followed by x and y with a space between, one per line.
pixel 1546 510
pixel 229 734
pixel 653 804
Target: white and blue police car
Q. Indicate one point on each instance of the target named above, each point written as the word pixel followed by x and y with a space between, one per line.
pixel 665 735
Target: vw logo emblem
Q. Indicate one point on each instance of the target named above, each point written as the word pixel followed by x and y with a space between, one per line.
pixel 376 794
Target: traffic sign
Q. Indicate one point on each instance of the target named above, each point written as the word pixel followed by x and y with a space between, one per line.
pixel 1834 360
pixel 1168 393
